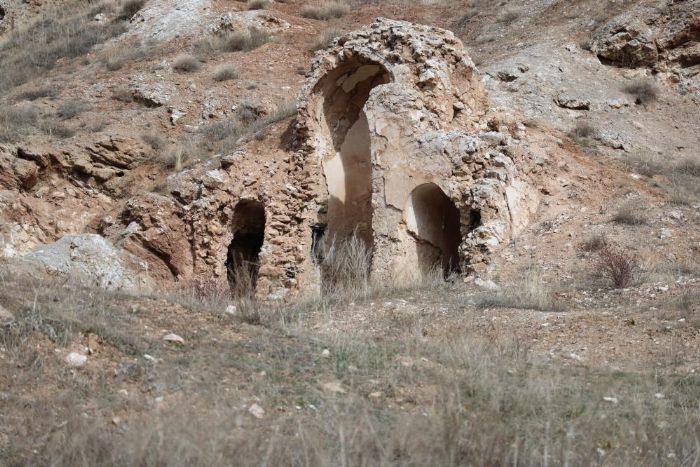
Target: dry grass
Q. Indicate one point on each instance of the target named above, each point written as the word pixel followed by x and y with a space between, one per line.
pixel 65 32
pixel 683 174
pixel 529 294
pixel 24 119
pixel 411 399
pixel 325 11
pixel 628 214
pixel 324 39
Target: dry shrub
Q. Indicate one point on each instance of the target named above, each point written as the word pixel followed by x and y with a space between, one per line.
pixel 628 215
pixel 225 73
pixel 509 16
pixel 71 108
pixel 154 140
pixel 122 94
pixel 186 64
pixel 257 4
pixel 643 90
pixel 617 265
pixel 594 243
pixel 325 11
pixel 583 130
pixel 130 8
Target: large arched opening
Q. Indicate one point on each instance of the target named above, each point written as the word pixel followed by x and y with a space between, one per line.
pixel 434 222
pixel 347 164
pixel 243 256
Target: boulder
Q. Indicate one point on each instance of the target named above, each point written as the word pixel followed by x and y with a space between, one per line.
pixel 91 261
pixel 625 41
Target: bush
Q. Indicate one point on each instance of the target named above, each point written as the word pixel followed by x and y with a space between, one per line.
pixel 130 8
pixel 326 11
pixel 154 140
pixel 643 90
pixel 618 266
pixel 122 94
pixel 583 130
pixel 186 64
pixel 225 73
pixel 70 109
pixel 38 93
pixel 258 4
pixel 594 243
pixel 627 215
pixel 17 121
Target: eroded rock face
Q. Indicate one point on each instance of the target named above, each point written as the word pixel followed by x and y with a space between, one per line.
pixel 653 37
pixel 394 143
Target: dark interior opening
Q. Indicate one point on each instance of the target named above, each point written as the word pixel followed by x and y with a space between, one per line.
pixel 243 257
pixel 437 223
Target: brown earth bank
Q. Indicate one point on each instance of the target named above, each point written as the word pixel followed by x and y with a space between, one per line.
pixel 349 233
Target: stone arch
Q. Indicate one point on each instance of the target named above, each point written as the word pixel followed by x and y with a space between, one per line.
pixel 433 219
pixel 347 161
pixel 243 255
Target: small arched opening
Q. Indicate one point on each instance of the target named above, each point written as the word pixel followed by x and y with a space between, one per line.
pixel 347 166
pixel 243 256
pixel 433 220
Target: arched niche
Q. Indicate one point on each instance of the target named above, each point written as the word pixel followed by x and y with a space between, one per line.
pixel 347 161
pixel 434 222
